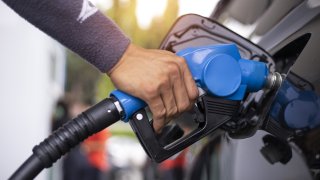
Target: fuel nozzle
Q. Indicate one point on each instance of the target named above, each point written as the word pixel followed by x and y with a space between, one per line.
pixel 274 80
pixel 224 79
pixel 218 71
pixel 221 72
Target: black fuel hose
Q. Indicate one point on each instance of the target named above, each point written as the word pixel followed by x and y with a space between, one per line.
pixel 93 120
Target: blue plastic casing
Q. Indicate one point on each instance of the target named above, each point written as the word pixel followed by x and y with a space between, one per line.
pixel 217 69
pixel 129 104
pixel 220 71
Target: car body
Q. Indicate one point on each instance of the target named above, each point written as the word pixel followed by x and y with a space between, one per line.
pixel 281 140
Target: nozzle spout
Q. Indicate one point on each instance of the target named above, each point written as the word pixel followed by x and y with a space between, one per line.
pixel 274 80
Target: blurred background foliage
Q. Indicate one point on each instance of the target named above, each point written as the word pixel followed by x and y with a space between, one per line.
pixel 85 83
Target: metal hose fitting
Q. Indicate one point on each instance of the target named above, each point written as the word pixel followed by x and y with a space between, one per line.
pixel 274 80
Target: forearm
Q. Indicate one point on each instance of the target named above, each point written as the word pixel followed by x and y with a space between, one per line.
pixel 79 26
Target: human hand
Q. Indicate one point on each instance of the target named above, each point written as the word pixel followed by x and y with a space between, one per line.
pixel 158 77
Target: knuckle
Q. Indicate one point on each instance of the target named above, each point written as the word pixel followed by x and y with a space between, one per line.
pixel 173 111
pixel 151 90
pixel 164 83
pixel 194 95
pixel 157 125
pixel 161 113
pixel 173 69
pixel 181 61
pixel 183 106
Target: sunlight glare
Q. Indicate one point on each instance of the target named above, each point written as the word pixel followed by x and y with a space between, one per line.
pixel 200 7
pixel 148 9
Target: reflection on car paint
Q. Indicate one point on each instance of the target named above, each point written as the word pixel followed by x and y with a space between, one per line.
pixel 296 106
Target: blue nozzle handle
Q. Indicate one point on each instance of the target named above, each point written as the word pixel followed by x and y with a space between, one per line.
pixel 221 72
pixel 129 104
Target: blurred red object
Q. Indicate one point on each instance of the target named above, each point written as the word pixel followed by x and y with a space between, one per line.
pixel 95 148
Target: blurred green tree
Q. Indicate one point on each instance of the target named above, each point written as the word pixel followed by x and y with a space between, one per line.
pixel 161 25
pixel 85 82
pixel 81 80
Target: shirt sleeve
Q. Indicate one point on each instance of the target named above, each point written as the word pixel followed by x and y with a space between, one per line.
pixel 78 25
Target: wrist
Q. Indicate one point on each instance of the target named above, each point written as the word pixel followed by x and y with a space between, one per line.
pixel 131 49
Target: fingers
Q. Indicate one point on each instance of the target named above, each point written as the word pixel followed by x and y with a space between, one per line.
pixel 191 87
pixel 160 78
pixel 175 95
pixel 158 110
pixel 181 95
pixel 189 81
pixel 168 98
pixel 163 105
